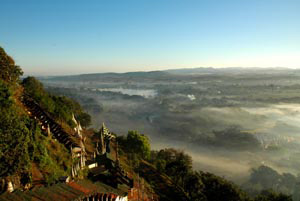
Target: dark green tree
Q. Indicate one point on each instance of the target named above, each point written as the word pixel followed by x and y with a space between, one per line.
pixel 139 144
pixel 194 187
pixel 84 119
pixel 217 188
pixel 9 72
pixel 176 164
pixel 136 145
pixel 265 176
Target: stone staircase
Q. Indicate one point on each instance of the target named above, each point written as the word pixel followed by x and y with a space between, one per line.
pixel 35 111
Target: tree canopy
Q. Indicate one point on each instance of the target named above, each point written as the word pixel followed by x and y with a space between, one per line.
pixel 60 107
pixel 9 72
pixel 136 143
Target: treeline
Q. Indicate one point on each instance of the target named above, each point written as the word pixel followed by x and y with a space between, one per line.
pixel 86 102
pixel 264 177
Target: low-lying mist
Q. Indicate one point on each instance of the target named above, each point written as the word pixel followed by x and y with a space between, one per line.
pixel 227 125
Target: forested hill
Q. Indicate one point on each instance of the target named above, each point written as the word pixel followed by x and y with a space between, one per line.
pixel 178 73
pixel 34 158
pixel 97 76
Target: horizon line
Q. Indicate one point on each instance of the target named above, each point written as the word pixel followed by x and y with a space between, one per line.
pixel 162 70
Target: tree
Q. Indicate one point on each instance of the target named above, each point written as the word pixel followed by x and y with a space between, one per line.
pixel 84 119
pixel 217 188
pixel 234 138
pixel 175 163
pixel 138 144
pixel 9 72
pixel 265 176
pixel 34 88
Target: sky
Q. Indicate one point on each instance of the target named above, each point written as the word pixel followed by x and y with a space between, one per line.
pixel 59 37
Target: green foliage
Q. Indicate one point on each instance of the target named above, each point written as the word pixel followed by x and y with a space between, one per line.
pixel 206 186
pixel 84 119
pixel 136 143
pixel 60 107
pixel 14 134
pixel 22 143
pixel 198 185
pixel 5 95
pixel 9 72
pixel 217 188
pixel 194 187
pixel 34 88
pixel 234 138
pixel 51 157
pixel 174 163
pixel 264 177
pixel 21 140
pixel 14 142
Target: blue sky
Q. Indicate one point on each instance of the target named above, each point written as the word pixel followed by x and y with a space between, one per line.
pixel 75 36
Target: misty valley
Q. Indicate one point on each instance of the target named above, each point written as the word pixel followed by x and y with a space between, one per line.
pixel 234 122
pixel 150 100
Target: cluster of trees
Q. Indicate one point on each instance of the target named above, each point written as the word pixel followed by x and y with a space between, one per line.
pixel 9 72
pixel 198 185
pixel 135 145
pixel 172 162
pixel 264 177
pixel 60 107
pixel 89 104
pixel 234 138
pixel 201 185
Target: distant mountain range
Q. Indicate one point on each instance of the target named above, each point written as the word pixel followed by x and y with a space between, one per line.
pixel 182 71
pixel 234 70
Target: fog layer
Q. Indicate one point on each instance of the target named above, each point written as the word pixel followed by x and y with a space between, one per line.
pixel 229 122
